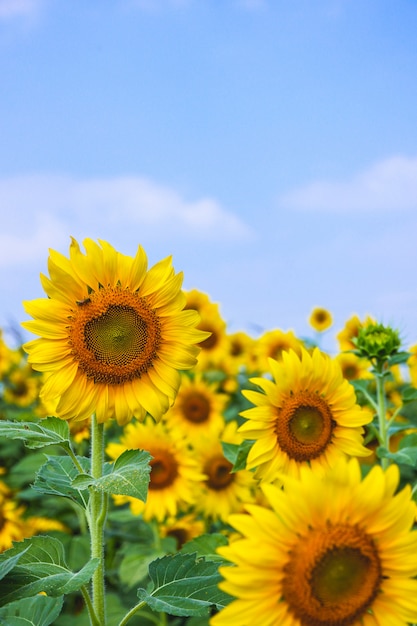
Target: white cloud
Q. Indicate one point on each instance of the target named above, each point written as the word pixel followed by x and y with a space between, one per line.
pixel 387 186
pixel 18 8
pixel 40 212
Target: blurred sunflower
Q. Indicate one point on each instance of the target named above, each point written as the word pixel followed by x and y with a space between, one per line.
pixel 353 367
pixel 320 319
pixel 198 407
pixel 271 345
pixel 113 334
pixel 308 414
pixel 330 551
pixel 175 473
pixel 351 330
pixel 223 491
pixel 182 529
pixel 213 347
pixel 22 387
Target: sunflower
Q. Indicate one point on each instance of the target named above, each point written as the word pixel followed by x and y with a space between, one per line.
pixel 175 472
pixel 198 407
pixel 22 387
pixel 182 529
pixel 351 330
pixel 113 334
pixel 353 367
pixel 332 551
pixel 224 491
pixel 308 414
pixel 271 345
pixel 214 346
pixel 320 319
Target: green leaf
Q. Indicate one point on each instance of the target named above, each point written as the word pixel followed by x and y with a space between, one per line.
pixel 409 441
pixel 37 611
pixel 57 475
pixel 206 546
pixel 41 567
pixel 37 434
pixel 405 456
pixel 127 476
pixel 184 585
pixel 409 394
pixel 237 454
pixel 398 358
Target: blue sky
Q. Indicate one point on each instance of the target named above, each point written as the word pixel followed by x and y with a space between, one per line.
pixel 269 146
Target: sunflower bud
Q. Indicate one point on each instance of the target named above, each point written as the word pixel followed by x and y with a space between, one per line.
pixel 377 342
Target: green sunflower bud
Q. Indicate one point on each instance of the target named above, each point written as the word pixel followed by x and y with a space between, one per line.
pixel 377 342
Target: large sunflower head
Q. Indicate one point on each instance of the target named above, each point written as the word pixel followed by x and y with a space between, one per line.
pixel 306 415
pixel 113 334
pixel 328 551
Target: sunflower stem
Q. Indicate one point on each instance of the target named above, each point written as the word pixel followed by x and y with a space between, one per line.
pixel 382 410
pixel 98 508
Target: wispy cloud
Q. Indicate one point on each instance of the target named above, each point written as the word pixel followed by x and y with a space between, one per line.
pixel 387 186
pixel 42 211
pixel 19 8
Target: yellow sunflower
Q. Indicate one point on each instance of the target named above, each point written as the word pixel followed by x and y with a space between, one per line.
pixel 330 551
pixel 22 387
pixel 350 331
pixel 320 319
pixel 182 529
pixel 353 367
pixel 213 347
pixel 113 334
pixel 198 407
pixel 175 472
pixel 223 492
pixel 308 414
pixel 271 345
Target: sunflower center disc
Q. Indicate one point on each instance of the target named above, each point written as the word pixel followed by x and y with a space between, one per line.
pixel 304 426
pixel 196 408
pixel 115 336
pixel 218 470
pixel 164 470
pixel 332 576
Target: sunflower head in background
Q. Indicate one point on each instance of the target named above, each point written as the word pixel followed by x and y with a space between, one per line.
pixel 113 334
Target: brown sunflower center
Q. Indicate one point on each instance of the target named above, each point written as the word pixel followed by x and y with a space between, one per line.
pixel 304 426
pixel 164 470
pixel 332 576
pixel 115 336
pixel 218 472
pixel 210 342
pixel 196 408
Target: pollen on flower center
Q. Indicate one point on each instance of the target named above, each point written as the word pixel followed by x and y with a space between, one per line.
pixel 304 425
pixel 115 336
pixel 332 576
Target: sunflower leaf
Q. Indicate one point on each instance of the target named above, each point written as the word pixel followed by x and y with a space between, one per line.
pixel 41 568
pixel 405 456
pixel 206 545
pixel 56 477
pixel 42 610
pixel 127 476
pixel 237 454
pixel 184 585
pixel 37 434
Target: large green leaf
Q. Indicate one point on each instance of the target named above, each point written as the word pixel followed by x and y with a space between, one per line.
pixel 184 585
pixel 39 433
pixel 206 545
pixel 37 611
pixel 56 477
pixel 127 476
pixel 40 568
pixel 405 456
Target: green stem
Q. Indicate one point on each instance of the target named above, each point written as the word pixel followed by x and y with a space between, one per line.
pixel 131 613
pixel 91 613
pixel 98 510
pixel 382 411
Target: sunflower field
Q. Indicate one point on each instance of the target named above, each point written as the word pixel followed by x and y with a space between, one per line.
pixel 159 470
